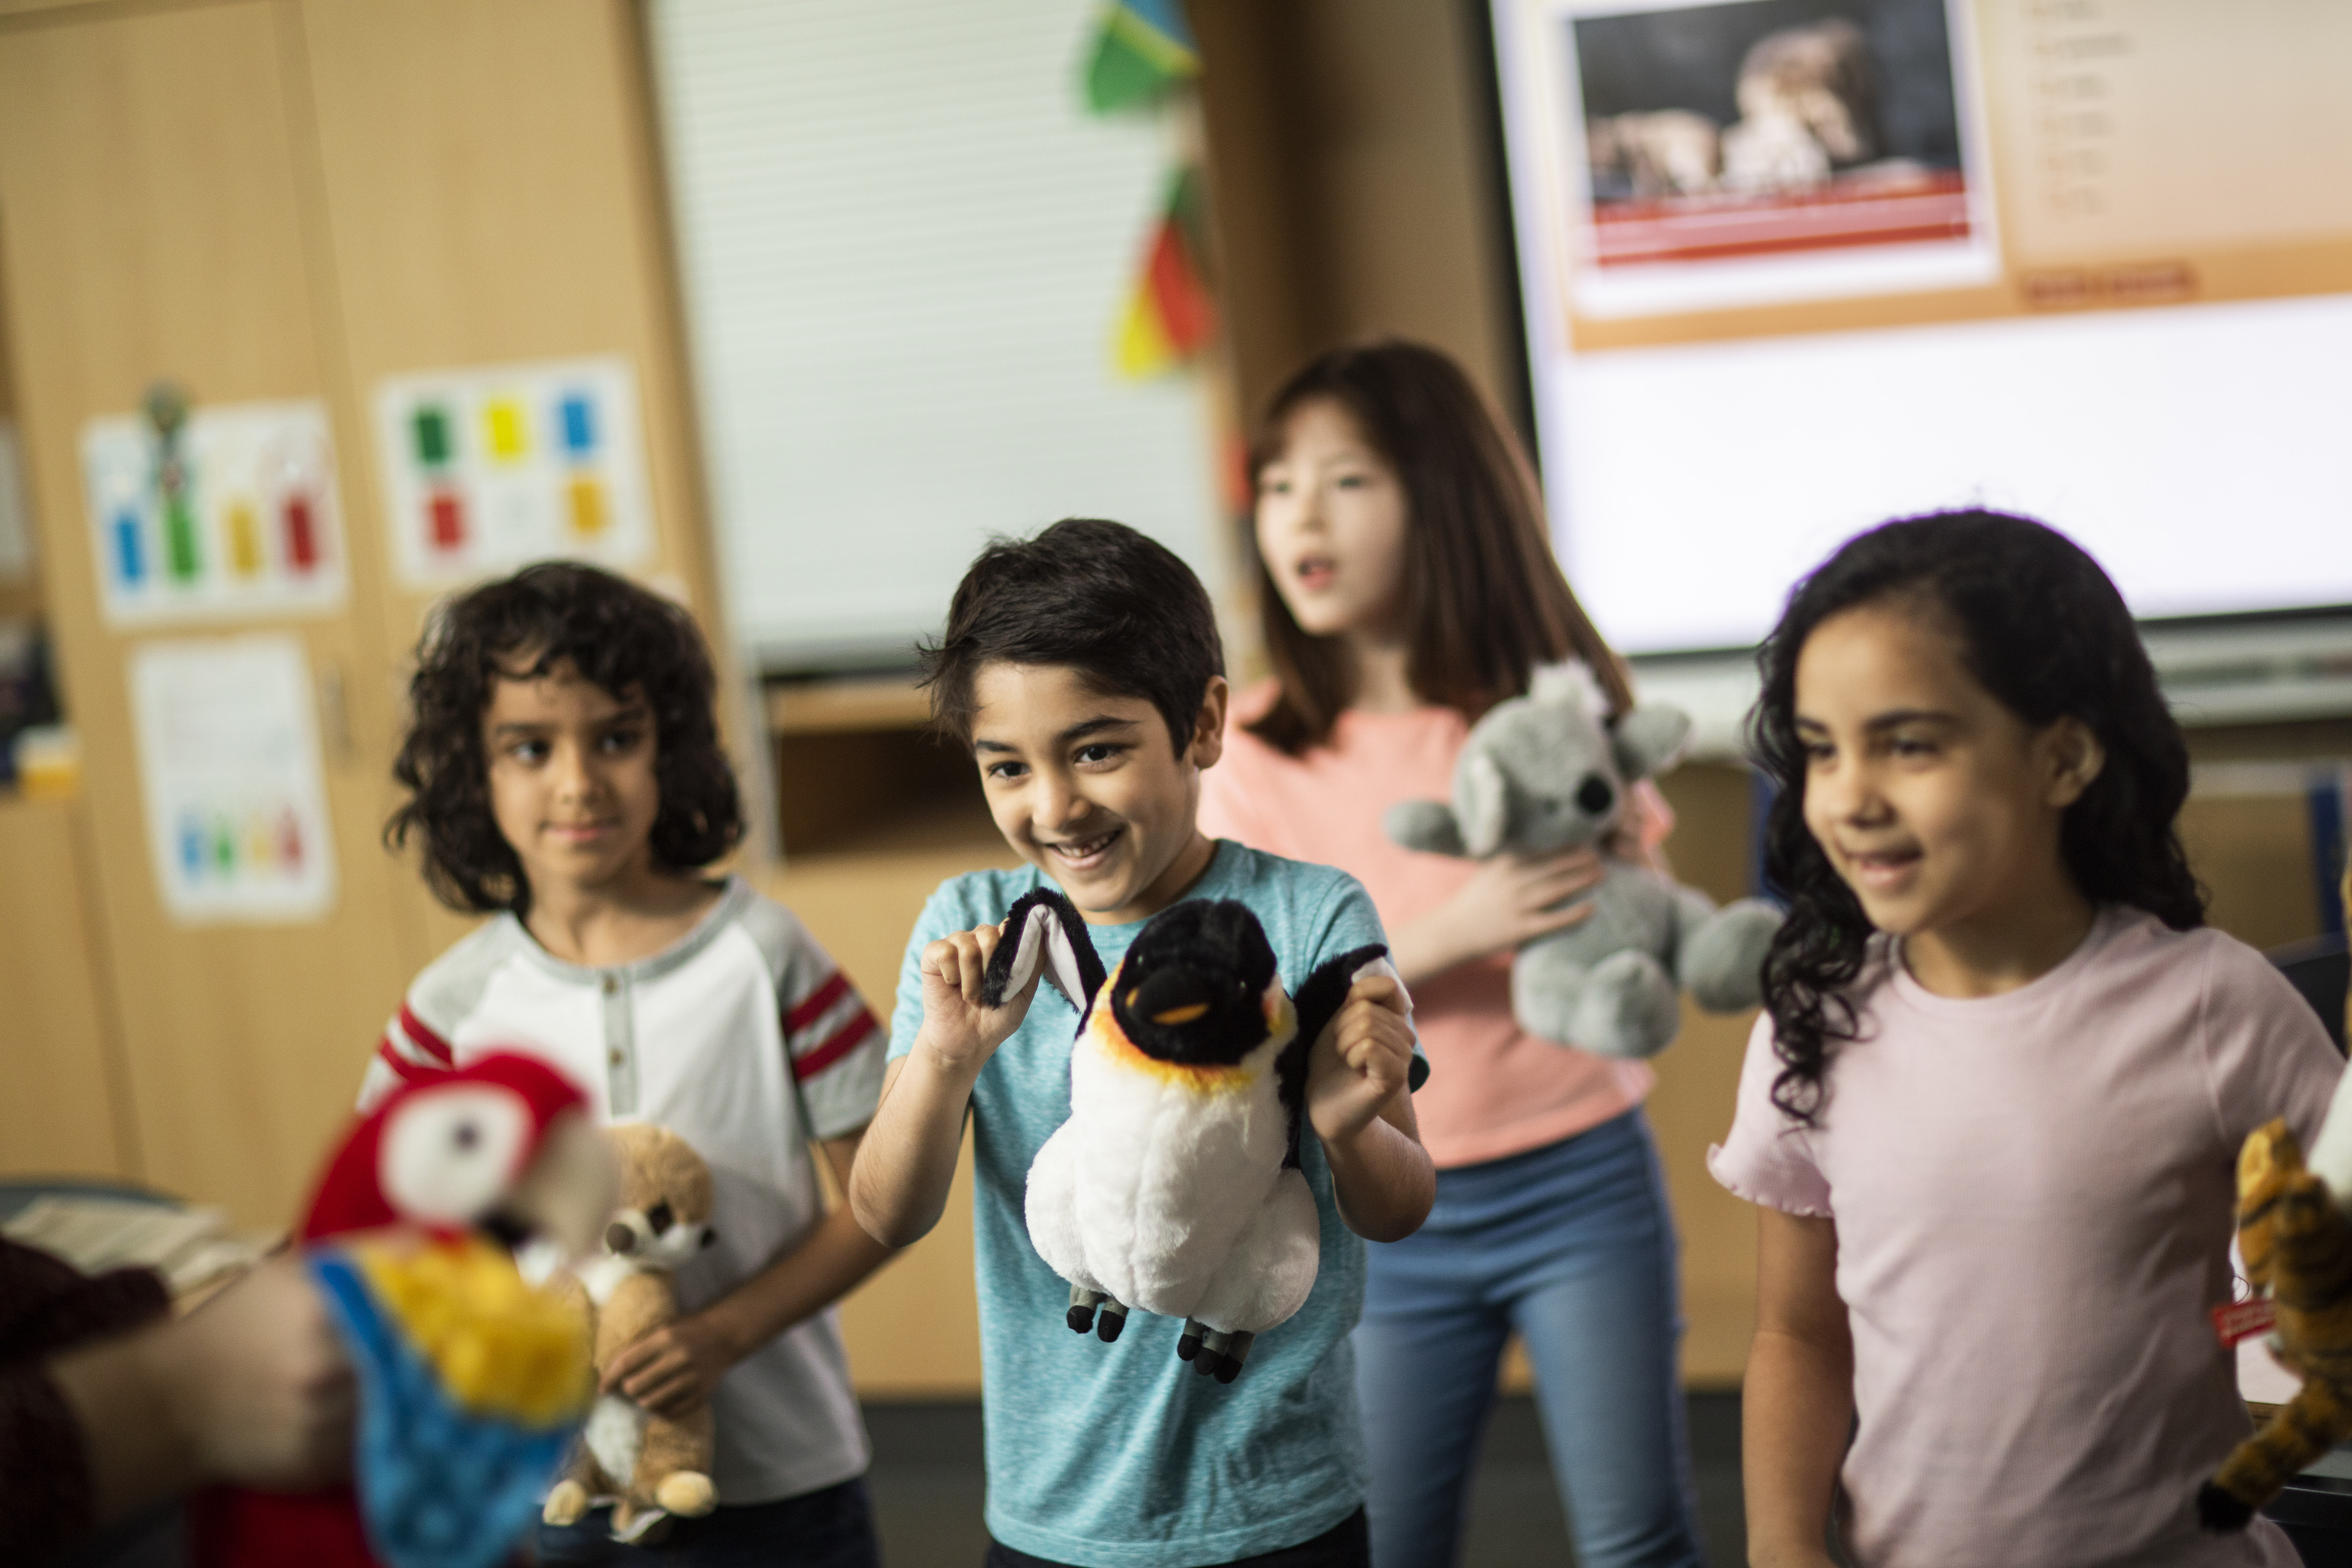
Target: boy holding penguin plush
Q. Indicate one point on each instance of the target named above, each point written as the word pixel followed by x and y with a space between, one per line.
pixel 1083 670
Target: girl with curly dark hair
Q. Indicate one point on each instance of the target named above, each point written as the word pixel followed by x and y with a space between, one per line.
pixel 566 777
pixel 1991 1116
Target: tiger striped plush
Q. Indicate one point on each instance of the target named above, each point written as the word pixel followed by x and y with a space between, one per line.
pixel 2297 1244
pixel 2298 1250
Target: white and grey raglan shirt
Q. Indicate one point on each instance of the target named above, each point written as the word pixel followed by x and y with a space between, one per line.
pixel 746 1040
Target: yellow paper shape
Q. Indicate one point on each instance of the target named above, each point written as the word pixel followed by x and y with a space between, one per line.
pixel 510 437
pixel 1142 348
pixel 587 499
pixel 244 539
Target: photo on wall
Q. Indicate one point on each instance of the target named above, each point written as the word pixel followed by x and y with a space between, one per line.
pixel 1742 151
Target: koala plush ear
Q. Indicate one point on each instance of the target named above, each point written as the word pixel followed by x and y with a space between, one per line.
pixel 1647 740
pixel 1484 809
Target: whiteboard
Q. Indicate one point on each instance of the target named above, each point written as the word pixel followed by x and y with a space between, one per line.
pixel 2095 264
pixel 903 247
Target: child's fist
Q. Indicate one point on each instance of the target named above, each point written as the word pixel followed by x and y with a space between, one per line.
pixel 958 1029
pixel 1363 1061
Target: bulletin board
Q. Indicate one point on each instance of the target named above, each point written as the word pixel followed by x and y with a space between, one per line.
pixel 235 516
pixel 489 467
pixel 230 767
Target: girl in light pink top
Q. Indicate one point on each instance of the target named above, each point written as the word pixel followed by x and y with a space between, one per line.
pixel 1991 1117
pixel 1409 585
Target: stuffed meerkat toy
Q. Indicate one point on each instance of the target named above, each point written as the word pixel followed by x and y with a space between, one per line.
pixel 1175 1187
pixel 650 1465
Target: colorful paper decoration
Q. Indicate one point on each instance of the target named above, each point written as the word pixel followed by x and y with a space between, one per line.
pixel 486 469
pixel 1142 48
pixel 228 763
pixel 217 513
pixel 1171 315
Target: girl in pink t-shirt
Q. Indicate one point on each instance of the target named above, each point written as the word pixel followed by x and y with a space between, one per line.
pixel 1991 1116
pixel 1408 586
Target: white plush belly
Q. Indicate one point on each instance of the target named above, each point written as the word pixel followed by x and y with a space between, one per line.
pixel 616 1435
pixel 1169 1174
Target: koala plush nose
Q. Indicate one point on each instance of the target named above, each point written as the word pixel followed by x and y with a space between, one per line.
pixel 1594 796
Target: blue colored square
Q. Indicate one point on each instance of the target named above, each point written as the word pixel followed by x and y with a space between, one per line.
pixel 578 421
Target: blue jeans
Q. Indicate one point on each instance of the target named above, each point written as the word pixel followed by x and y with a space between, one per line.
pixel 1573 1246
pixel 832 1527
pixel 1344 1545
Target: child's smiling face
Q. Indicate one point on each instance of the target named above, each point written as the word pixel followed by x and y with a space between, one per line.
pixel 1935 803
pixel 1090 790
pixel 571 773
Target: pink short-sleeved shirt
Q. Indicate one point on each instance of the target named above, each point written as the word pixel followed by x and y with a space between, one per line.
pixel 1494 1089
pixel 2034 1194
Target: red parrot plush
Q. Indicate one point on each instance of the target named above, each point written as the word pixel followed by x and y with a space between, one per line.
pixel 462 1366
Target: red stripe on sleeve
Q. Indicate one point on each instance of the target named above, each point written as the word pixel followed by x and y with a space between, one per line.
pixel 425 1039
pixel 817 1004
pixel 845 1040
pixel 408 1072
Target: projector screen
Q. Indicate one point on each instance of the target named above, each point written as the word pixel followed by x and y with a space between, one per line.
pixel 1794 266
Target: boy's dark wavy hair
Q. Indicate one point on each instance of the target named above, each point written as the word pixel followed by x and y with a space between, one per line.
pixel 1101 598
pixel 624 638
pixel 2042 628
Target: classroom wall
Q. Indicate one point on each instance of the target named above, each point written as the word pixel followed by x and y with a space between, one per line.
pixel 275 199
pixel 292 197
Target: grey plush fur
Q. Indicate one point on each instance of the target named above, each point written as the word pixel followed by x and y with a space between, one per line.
pixel 1540 772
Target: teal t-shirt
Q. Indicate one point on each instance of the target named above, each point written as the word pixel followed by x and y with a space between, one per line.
pixel 1120 1456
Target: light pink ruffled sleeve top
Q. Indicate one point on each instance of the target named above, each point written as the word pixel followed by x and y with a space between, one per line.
pixel 1493 1090
pixel 2035 1198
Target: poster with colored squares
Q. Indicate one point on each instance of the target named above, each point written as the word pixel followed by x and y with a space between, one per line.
pixel 230 767
pixel 229 514
pixel 488 469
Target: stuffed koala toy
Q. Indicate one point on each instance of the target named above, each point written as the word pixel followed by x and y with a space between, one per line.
pixel 643 1461
pixel 1541 774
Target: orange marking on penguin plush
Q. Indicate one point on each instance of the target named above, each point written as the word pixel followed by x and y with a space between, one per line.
pixel 643 1461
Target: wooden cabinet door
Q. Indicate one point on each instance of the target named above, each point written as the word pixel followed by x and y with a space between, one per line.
pixel 158 201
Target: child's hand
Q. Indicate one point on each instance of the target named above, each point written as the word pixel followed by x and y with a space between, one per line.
pixel 1363 1061
pixel 1509 900
pixel 673 1371
pixel 957 1030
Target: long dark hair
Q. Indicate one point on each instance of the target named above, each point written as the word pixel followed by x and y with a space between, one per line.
pixel 2046 634
pixel 623 638
pixel 1484 599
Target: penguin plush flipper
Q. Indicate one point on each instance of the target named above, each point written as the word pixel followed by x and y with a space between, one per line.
pixel 1317 1003
pixel 1044 928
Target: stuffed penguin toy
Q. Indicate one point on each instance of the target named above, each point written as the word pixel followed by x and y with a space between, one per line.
pixel 1175 1187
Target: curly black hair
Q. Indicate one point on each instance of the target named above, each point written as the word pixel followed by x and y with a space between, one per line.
pixel 625 639
pixel 2042 630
